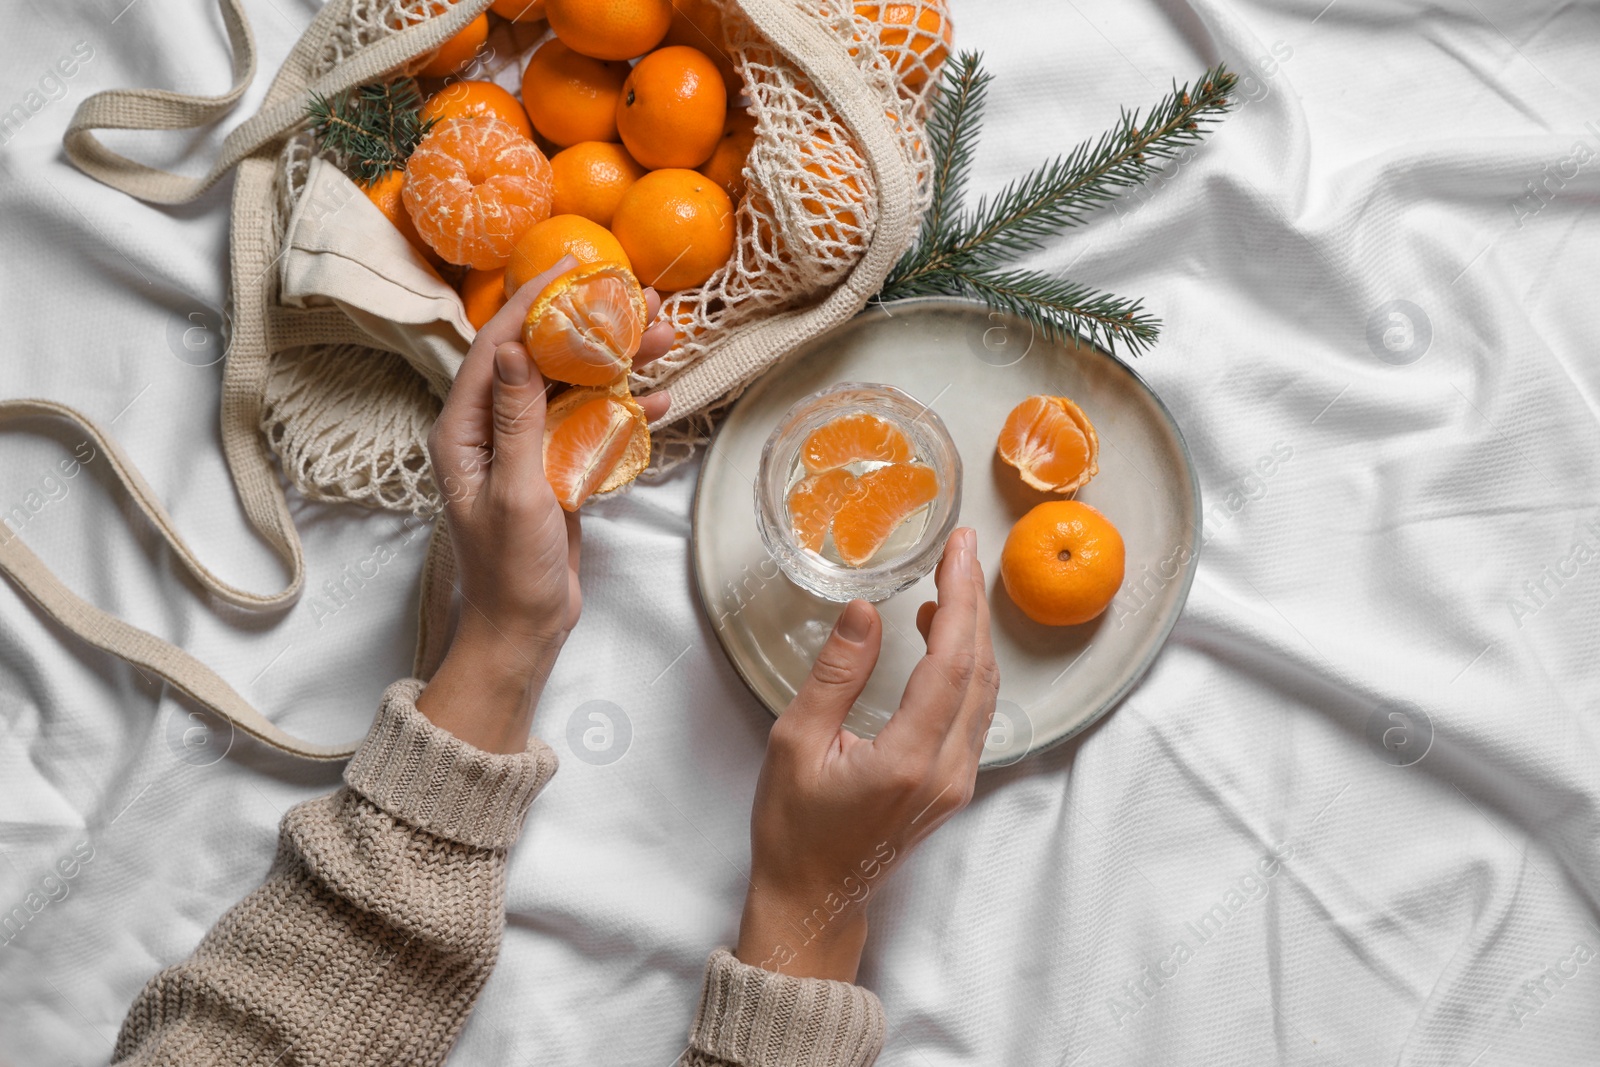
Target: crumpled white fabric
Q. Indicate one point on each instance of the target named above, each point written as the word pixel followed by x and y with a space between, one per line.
pixel 1245 864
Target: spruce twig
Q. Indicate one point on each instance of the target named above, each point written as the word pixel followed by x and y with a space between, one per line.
pixel 373 128
pixel 960 252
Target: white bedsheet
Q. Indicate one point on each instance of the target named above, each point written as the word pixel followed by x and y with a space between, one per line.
pixel 1402 515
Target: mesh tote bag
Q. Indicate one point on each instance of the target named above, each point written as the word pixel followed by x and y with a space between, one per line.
pixel 341 342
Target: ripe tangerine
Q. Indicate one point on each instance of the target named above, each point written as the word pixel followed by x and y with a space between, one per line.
pixel 472 186
pixel 1062 563
pixel 676 226
pixel 673 108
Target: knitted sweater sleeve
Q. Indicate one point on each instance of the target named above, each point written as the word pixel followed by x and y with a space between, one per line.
pixel 382 916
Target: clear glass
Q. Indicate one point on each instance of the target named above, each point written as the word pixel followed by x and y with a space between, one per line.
pixel 913 549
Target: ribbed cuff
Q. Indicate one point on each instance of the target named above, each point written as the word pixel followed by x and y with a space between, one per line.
pixel 759 1018
pixel 433 780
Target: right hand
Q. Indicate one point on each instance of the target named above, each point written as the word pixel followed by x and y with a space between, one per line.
pixel 835 812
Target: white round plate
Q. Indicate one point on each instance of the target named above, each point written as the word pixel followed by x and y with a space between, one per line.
pixel 971 365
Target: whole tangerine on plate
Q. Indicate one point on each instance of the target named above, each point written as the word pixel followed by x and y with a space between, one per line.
pixel 1062 563
pixel 518 10
pixel 474 99
pixel 385 195
pixel 673 108
pixel 590 178
pixel 572 97
pixel 881 500
pixel 858 438
pixel 610 29
pixel 541 245
pixel 458 51
pixel 483 294
pixel 595 440
pixel 698 24
pixel 472 186
pixel 586 325
pixel 726 165
pixel 920 33
pixel 676 226
pixel 1051 443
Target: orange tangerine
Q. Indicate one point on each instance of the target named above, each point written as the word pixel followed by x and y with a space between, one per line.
pixel 472 185
pixel 539 247
pixel 474 99
pixel 676 226
pixel 586 325
pixel 918 35
pixel 519 10
pixel 610 29
pixel 483 294
pixel 698 24
pixel 854 439
pixel 726 165
pixel 385 194
pixel 1062 563
pixel 590 178
pixel 673 107
pixel 595 440
pixel 883 499
pixel 814 501
pixel 572 97
pixel 1051 443
pixel 458 51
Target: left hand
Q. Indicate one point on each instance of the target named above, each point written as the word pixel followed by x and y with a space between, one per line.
pixel 516 549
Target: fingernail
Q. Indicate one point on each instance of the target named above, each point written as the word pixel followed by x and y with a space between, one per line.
pixel 854 624
pixel 511 365
pixel 965 551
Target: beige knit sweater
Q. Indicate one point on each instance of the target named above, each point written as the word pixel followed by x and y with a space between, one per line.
pixel 381 919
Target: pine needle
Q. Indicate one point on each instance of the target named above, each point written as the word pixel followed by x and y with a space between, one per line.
pixel 372 129
pixel 962 253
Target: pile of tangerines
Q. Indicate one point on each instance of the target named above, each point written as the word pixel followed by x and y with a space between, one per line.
pixel 627 152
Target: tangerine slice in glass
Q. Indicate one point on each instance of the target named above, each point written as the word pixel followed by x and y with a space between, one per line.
pixel 472 186
pixel 861 437
pixel 1051 443
pixel 813 502
pixel 883 499
pixel 595 440
pixel 586 325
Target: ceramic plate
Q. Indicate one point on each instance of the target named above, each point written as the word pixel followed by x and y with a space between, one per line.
pixel 972 365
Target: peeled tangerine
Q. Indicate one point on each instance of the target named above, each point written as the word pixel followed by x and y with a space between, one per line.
pixel 472 185
pixel 585 327
pixel 1051 443
pixel 595 440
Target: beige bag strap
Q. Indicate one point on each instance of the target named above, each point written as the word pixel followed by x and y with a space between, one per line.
pixel 160 109
pixel 142 649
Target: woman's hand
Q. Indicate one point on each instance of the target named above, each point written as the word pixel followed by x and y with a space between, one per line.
pixel 833 812
pixel 516 550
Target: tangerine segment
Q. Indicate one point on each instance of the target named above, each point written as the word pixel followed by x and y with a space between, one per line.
pixel 586 325
pixel 861 437
pixel 1051 443
pixel 883 499
pixel 595 440
pixel 1062 563
pixel 813 502
pixel 472 186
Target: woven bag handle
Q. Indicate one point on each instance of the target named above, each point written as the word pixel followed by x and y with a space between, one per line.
pixel 144 650
pixel 160 109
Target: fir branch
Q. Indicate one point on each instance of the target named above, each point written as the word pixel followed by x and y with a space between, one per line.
pixel 952 133
pixel 373 129
pixel 1064 191
pixel 1064 311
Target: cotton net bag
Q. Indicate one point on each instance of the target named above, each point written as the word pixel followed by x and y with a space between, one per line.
pixel 836 179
